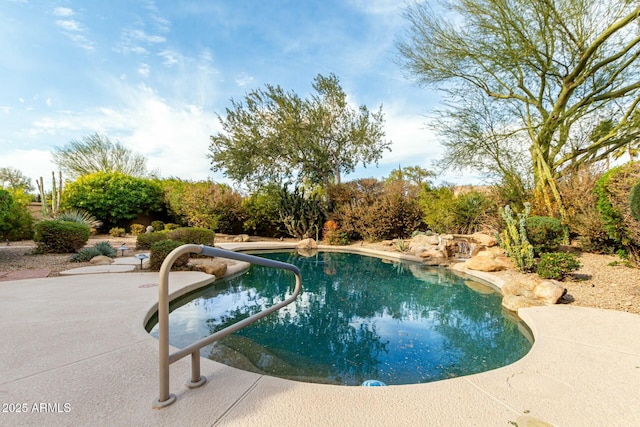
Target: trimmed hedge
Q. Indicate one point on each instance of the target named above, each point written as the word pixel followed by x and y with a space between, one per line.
pixel 54 236
pixel 193 235
pixel 145 240
pixel 160 250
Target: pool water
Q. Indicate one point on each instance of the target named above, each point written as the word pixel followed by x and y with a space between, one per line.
pixel 358 318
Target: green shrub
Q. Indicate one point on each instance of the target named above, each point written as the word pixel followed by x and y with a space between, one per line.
pixel 557 265
pixel 301 213
pixel 56 236
pixel 193 235
pixel 114 197
pixel 613 190
pixel 471 212
pixel 634 201
pixel 137 229
pixel 513 239
pixel 106 249
pixel 262 215
pixel 145 240
pixel 170 226
pixel 544 233
pixel 15 221
pixel 157 225
pixel 160 250
pixel 117 232
pixel 85 255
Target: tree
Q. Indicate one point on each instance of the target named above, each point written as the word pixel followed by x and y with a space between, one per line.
pixel 97 153
pixel 275 136
pixel 552 67
pixel 114 197
pixel 13 179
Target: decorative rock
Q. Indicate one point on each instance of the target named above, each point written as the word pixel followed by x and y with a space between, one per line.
pixel 101 260
pixel 149 229
pixel 307 244
pixel 431 253
pixel 515 302
pixel 484 239
pixel 483 264
pixel 241 238
pixel 519 288
pixel 422 240
pixel 549 291
pixel 214 267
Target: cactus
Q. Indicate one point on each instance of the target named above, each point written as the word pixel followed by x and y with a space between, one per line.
pixel 513 238
pixel 56 195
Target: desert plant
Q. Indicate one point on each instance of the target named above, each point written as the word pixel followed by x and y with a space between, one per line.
pixel 55 236
pixel 300 212
pixel 513 239
pixel 145 240
pixel 79 215
pixel 137 229
pixel 193 235
pixel 471 211
pixel 85 254
pixel 160 250
pixel 557 265
pixel 106 249
pixel 117 232
pixel 544 233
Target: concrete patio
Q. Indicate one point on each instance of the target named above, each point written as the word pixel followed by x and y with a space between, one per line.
pixel 75 353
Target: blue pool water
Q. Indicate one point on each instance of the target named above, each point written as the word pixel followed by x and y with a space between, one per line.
pixel 358 318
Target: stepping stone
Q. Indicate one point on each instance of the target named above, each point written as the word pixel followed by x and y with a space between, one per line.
pixel 25 274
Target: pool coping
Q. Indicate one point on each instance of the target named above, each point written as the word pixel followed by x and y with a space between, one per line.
pixel 75 353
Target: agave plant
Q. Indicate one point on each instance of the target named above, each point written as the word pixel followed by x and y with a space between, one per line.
pixel 79 215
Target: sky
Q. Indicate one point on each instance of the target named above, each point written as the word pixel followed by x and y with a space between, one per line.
pixel 153 75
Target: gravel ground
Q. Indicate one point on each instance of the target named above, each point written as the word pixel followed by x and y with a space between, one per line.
pixel 595 284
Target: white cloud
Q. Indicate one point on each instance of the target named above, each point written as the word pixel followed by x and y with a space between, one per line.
pixel 69 25
pixel 170 57
pixel 144 70
pixel 63 11
pixel 243 79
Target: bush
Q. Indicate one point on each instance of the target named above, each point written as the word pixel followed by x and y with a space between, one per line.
pixel 145 240
pixel 613 190
pixel 117 232
pixel 557 265
pixel 333 235
pixel 193 235
pixel 15 221
pixel 301 214
pixel 471 212
pixel 262 215
pixel 137 229
pixel 634 201
pixel 544 233
pixel 160 250
pixel 170 226
pixel 157 225
pixel 106 249
pixel 114 197
pixel 85 255
pixel 54 236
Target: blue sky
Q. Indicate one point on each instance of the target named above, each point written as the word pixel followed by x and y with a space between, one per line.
pixel 153 74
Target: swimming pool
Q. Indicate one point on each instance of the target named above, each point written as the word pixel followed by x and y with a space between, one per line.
pixel 358 318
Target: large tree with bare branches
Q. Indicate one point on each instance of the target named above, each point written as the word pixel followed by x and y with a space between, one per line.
pixel 560 76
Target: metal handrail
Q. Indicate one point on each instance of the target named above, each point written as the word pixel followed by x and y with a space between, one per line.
pixel 165 359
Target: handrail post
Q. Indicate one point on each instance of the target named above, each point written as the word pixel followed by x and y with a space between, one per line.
pixel 164 397
pixel 164 358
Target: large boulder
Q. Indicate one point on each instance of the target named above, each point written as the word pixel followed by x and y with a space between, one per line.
pixel 484 239
pixel 483 264
pixel 101 260
pixel 241 238
pixel 516 302
pixel 307 244
pixel 423 242
pixel 215 267
pixel 549 291
pixel 431 254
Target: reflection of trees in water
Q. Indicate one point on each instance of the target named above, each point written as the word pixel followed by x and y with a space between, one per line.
pixel 339 340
